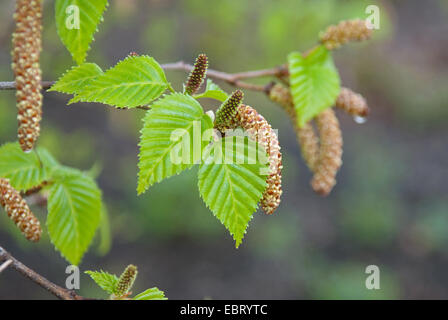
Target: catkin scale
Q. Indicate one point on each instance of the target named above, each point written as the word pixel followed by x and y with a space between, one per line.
pixel 330 155
pixel 344 32
pixel 19 212
pixel 26 43
pixel 261 131
pixel 352 103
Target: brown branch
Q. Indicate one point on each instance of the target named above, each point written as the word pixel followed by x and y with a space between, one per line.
pixel 54 289
pixel 234 79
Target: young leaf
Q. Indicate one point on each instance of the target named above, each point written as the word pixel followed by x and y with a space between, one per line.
pixel 232 189
pixel 77 78
pixel 213 91
pixel 151 294
pixel 172 122
pixel 76 22
pixel 134 81
pixel 24 170
pixel 106 281
pixel 74 211
pixel 315 83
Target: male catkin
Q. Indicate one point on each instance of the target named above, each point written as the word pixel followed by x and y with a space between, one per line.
pixel 26 43
pixel 19 212
pixel 344 32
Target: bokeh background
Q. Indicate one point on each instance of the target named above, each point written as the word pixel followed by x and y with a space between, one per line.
pixel 389 207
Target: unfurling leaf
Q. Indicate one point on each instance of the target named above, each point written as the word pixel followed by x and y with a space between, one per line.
pixel 315 83
pixel 151 294
pixel 213 91
pixel 106 281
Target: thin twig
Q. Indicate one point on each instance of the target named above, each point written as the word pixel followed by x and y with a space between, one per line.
pixel 54 289
pixel 234 79
pixel 5 265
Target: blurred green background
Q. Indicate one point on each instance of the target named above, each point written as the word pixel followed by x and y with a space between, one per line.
pixel 389 207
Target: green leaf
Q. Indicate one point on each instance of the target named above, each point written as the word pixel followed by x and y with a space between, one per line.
pixel 134 81
pixel 232 189
pixel 24 170
pixel 77 78
pixel 213 91
pixel 172 122
pixel 106 281
pixel 77 34
pixel 74 211
pixel 315 83
pixel 151 294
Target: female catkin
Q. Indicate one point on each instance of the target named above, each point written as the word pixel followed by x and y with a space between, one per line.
pixel 126 280
pixel 26 41
pixel 19 212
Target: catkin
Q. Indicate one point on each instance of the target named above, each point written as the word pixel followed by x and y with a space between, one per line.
pixel 306 135
pixel 19 212
pixel 352 103
pixel 344 32
pixel 226 114
pixel 26 41
pixel 197 75
pixel 126 281
pixel 330 154
pixel 261 131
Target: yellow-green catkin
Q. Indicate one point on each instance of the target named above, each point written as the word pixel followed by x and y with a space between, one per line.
pixel 197 75
pixel 19 212
pixel 126 281
pixel 344 32
pixel 26 44
pixel 330 152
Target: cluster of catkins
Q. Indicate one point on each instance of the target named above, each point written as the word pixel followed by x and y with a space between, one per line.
pixel 27 45
pixel 322 152
pixel 233 114
pixel 19 212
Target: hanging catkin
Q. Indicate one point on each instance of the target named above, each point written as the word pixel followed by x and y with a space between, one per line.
pixel 19 212
pixel 26 41
pixel 330 153
pixel 344 32
pixel 261 131
pixel 352 103
pixel 306 135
